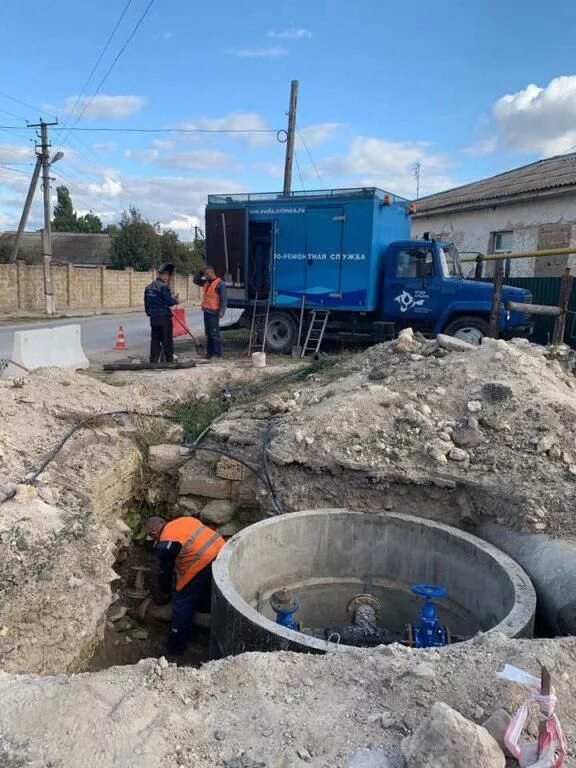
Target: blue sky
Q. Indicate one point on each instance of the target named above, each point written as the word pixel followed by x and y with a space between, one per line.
pixel 466 89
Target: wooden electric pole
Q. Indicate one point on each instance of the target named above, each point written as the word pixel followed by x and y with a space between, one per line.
pixel 46 232
pixel 291 135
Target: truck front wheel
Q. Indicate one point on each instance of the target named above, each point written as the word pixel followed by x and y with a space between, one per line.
pixel 471 329
pixel 281 332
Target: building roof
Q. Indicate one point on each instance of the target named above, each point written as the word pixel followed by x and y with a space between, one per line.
pixel 552 176
pixel 67 247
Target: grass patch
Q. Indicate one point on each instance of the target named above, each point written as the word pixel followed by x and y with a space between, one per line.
pixel 195 417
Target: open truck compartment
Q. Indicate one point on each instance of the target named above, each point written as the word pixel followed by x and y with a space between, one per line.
pixel 325 246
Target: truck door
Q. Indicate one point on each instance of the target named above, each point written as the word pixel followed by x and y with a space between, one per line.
pixel 412 285
pixel 324 237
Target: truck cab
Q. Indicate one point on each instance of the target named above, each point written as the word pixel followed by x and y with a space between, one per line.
pixel 423 287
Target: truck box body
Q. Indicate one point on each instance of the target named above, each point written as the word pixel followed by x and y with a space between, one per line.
pixel 326 246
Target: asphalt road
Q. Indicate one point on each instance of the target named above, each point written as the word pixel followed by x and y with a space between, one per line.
pixel 99 332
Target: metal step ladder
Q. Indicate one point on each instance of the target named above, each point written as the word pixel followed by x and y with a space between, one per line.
pixel 259 325
pixel 316 331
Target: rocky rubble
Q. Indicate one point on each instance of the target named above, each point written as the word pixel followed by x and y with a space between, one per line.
pixel 351 709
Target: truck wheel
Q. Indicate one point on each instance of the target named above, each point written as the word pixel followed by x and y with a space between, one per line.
pixel 470 329
pixel 281 334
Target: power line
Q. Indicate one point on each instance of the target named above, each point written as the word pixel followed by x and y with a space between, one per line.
pixel 14 170
pixel 311 158
pixel 299 171
pixel 100 57
pixel 23 103
pixel 154 130
pixel 111 67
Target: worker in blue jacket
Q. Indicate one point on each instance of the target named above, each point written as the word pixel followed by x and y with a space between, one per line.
pixel 157 302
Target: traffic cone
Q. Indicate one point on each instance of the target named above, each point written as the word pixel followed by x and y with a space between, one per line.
pixel 121 341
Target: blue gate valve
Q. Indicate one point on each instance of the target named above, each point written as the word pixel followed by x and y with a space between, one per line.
pixel 429 633
pixel 285 606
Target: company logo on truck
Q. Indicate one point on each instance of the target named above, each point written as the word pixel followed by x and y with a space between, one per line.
pixel 321 256
pixel 407 301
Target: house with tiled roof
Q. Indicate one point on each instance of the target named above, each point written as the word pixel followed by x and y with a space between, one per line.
pixel 527 209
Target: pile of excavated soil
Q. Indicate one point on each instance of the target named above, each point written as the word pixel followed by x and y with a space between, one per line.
pixel 57 538
pixel 481 434
pixel 280 710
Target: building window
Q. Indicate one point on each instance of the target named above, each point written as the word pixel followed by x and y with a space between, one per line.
pixel 503 243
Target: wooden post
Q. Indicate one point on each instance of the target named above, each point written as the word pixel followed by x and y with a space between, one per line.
pixel 545 688
pixel 563 302
pixel 496 310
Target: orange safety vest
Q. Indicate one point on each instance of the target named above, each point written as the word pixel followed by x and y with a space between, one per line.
pixel 200 546
pixel 211 298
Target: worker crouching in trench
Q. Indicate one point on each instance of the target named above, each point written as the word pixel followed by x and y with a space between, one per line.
pixel 185 549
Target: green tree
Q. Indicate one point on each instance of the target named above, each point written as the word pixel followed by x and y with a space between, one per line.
pixel 66 219
pixel 135 242
pixel 183 255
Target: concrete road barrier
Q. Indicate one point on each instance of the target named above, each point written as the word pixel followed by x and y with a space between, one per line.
pixel 57 347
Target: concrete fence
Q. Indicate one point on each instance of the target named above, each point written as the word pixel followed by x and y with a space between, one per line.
pixel 22 288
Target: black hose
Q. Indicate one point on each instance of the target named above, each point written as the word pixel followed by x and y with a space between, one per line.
pixel 275 498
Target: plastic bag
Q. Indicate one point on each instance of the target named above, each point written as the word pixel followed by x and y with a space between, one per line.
pixel 551 744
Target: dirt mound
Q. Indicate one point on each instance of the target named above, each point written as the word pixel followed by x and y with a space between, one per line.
pixel 280 710
pixel 465 436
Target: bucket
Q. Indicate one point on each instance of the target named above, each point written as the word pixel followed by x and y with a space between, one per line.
pixel 259 359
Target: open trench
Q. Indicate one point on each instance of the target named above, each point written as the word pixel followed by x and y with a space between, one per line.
pixel 118 636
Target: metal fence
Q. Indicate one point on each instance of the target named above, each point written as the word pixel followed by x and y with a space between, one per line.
pixel 546 290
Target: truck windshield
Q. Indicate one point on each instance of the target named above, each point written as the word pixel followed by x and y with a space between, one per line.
pixel 450 260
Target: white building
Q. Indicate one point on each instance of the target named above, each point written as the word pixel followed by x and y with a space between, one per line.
pixel 530 208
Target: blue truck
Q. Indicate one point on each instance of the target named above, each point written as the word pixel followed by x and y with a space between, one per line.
pixel 346 251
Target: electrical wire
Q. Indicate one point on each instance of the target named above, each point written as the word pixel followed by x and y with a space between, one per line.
pixel 109 129
pixel 299 171
pixel 311 158
pixel 14 170
pixel 25 104
pixel 100 57
pixel 112 65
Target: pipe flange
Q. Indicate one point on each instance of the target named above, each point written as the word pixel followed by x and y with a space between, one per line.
pixel 364 599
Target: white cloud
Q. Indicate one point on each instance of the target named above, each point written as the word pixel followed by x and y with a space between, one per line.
pixel 539 119
pixel 105 146
pixel 102 106
pixel 319 133
pixel 371 161
pixel 162 144
pixel 290 34
pixel 197 160
pixel 240 122
pixel 481 147
pixel 13 153
pixel 267 52
pixel 145 155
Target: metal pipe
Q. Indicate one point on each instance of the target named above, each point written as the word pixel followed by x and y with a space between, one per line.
pixel 527 255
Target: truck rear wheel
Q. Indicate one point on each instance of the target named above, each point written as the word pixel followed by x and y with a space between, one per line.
pixel 281 333
pixel 471 329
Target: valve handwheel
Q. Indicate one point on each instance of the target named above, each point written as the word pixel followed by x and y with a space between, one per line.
pixel 429 591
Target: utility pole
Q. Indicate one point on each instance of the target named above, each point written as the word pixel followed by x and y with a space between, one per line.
pixel 26 211
pixel 291 135
pixel 46 233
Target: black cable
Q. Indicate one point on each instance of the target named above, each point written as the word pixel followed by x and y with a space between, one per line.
pixel 148 130
pixel 275 499
pixel 71 432
pixel 111 67
pixel 99 59
pixel 311 159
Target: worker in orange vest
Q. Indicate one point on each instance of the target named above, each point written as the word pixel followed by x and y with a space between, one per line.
pixel 185 548
pixel 214 307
